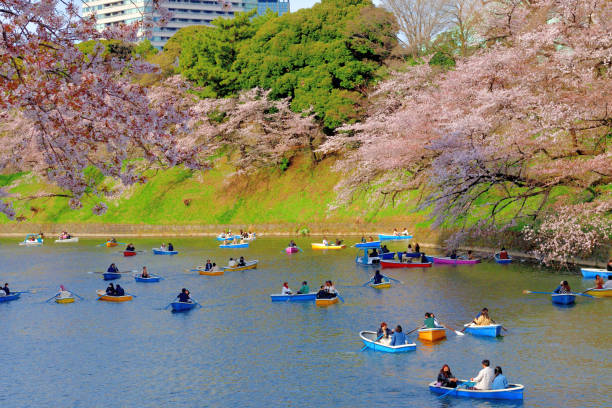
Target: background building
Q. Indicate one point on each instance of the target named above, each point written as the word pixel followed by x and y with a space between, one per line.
pixel 184 13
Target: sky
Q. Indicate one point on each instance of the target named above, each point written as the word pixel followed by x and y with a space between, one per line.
pixel 298 4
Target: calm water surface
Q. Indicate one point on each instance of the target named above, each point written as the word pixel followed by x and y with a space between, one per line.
pixel 240 349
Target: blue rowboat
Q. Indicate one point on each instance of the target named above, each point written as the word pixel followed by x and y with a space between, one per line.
pixel 159 251
pixel 513 392
pixel 492 330
pixel 387 255
pixel 151 278
pixel 384 237
pixel 590 273
pixel 411 255
pixel 502 261
pixel 111 275
pixel 219 238
pixel 306 297
pixel 369 340
pixel 563 299
pixel 373 244
pixel 245 245
pixel 12 296
pixel 182 306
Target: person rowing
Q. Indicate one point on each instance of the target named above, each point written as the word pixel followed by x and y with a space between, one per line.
pixel 130 247
pixel 241 261
pixel 395 233
pixel 170 246
pixel 215 268
pixel 445 377
pixel 292 244
pixel 325 242
pixel 384 334
pixel 208 265
pixel 119 290
pixel 113 240
pixel 424 258
pixel 470 255
pixel 609 265
pixel 6 289
pixel 485 377
pixel 327 291
pixel 331 288
pixel 599 282
pixel 338 242
pixel 145 273
pixel 453 254
pixel 184 296
pixel 377 278
pixel 563 288
pixel 110 290
pixel 231 263
pixel 608 284
pixel 304 289
pixel 483 319
pixel 503 254
pixel 285 290
pixel 430 322
pixel 112 268
pixel 63 293
pixel 405 232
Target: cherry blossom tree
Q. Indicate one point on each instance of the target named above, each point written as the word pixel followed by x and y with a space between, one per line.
pixel 512 129
pixel 79 110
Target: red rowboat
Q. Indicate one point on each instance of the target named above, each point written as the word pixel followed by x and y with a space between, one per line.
pixel 129 253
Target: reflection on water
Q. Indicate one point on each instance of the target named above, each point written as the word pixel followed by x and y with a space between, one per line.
pixel 241 349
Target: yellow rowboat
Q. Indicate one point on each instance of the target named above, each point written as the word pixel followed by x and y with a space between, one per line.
pixel 111 244
pixel 210 273
pixel 434 334
pixel 599 292
pixel 64 300
pixel 248 265
pixel 382 285
pixel 326 302
pixel 103 296
pixel 316 245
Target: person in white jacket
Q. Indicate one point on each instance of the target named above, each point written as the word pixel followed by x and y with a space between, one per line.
pixel 485 377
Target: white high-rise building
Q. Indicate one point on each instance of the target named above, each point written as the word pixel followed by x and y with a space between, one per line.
pixel 184 13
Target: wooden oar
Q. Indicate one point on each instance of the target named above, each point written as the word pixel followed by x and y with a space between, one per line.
pixel 301 250
pixel 448 392
pixel 529 292
pixel 170 303
pixel 366 346
pixel 394 280
pixel 80 297
pixel 52 297
pixel 340 297
pixel 413 330
pixel 457 332
pixel 367 283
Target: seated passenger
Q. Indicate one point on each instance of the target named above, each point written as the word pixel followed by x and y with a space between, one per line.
pixel 208 265
pixel 484 379
pixel 231 263
pixel 499 382
pixel 453 254
pixel 374 253
pixel 385 332
pixel 285 290
pixel 609 265
pixel 385 250
pixel 424 258
pixel 241 262
pixel 470 255
pixel 119 290
pixel 503 254
pixel 129 247
pixel 483 318
pixel 145 273
pixel 608 284
pixel 304 289
pixel 170 246
pixel 110 291
pixel 445 377
pixel 399 338
pixel 6 289
pixel 429 322
pixel 325 242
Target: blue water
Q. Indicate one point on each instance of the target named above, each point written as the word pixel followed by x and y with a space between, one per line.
pixel 242 350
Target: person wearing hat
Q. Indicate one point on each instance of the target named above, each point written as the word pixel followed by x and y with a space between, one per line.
pixel 285 290
pixel 563 288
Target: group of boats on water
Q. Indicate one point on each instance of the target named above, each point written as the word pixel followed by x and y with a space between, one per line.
pixel 375 253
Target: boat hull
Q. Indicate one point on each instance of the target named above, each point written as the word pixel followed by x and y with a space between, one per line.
pixel 307 297
pixel 368 245
pixel 590 273
pixel 563 299
pixel 31 243
pixel 316 245
pixel 249 265
pixel 157 251
pixel 182 306
pixel 66 241
pixel 368 338
pixel 245 245
pixel 448 261
pixel 493 330
pixel 382 285
pixel 502 261
pixel 599 292
pixel 514 392
pixel 111 276
pixel 129 253
pixel 150 279
pixel 435 334
pixel 326 302
pixel 210 273
pixel 219 238
pixel 11 297
pixel 291 250
pixel 384 237
pixel 111 244
pixel 387 255
pixel 64 300
pixel 397 264
pixel 106 298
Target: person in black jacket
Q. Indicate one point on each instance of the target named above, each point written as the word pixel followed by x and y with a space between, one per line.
pixel 170 246
pixel 378 278
pixel 110 290
pixel 119 290
pixel 184 296
pixel 445 377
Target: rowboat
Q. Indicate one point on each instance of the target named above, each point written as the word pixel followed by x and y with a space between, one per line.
pixel 599 292
pixel 502 261
pixel 108 298
pixel 371 244
pixel 8 298
pixel 248 265
pixel 64 300
pixel 385 237
pixel 29 242
pixel 210 273
pixel 369 340
pixel 458 261
pixel 563 299
pixel 159 251
pixel 398 264
pixel 513 392
pixel 67 240
pixel 491 330
pixel 435 334
pixel 590 273
pixel 385 284
pixel 111 275
pixel 306 297
pixel 245 245
pixel 129 253
pixel 150 279
pixel 182 306
pixel 316 245
pixel 226 238
pixel 110 244
pixel 291 250
pixel 326 302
